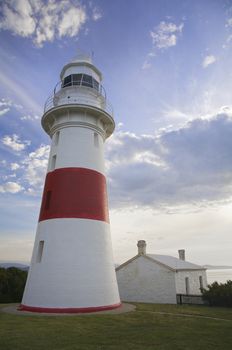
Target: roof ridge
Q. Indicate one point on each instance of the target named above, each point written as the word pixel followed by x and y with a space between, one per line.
pixel 185 264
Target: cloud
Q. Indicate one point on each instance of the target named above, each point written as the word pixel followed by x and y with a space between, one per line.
pixel 15 143
pixel 71 21
pixel 44 20
pixel 97 14
pixel 188 166
pixel 229 22
pixel 175 113
pixel 228 26
pixel 208 60
pixel 146 65
pixel 31 170
pixel 4 111
pixel 30 117
pixel 165 35
pixel 11 187
pixel 4 102
pixel 4 106
pixel 14 166
pixel 6 177
pixel 35 168
pixel 18 17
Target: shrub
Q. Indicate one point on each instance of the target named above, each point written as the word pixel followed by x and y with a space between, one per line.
pixel 12 283
pixel 219 294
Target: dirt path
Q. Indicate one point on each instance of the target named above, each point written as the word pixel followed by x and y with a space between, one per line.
pixel 185 315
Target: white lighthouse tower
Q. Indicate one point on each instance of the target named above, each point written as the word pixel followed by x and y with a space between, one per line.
pixel 72 268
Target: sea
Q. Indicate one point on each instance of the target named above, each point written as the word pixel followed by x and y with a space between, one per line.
pixel 218 275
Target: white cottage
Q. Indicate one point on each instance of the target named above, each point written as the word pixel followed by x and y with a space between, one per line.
pixel 153 278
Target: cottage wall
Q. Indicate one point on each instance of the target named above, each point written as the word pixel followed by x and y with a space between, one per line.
pixel 142 280
pixel 194 281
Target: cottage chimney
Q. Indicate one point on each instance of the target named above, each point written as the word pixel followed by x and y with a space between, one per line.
pixel 181 254
pixel 141 247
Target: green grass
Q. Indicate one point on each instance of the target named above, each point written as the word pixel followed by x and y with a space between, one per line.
pixel 143 329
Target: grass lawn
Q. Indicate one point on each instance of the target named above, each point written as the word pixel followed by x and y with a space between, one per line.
pixel 143 329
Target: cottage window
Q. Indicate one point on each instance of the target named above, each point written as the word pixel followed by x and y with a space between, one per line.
pixel 201 282
pixel 187 285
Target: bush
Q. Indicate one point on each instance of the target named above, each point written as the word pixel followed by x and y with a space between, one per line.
pixel 12 283
pixel 219 294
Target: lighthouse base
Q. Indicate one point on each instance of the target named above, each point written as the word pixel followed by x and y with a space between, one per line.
pixel 74 271
pixel 67 310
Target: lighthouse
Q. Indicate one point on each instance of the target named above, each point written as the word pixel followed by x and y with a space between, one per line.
pixel 72 268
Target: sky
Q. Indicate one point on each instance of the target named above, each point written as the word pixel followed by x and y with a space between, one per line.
pixel 167 73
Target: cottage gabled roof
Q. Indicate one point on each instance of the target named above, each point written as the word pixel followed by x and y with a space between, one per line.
pixel 167 261
pixel 174 263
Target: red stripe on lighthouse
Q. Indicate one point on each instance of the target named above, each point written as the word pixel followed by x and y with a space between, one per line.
pixel 68 310
pixel 74 193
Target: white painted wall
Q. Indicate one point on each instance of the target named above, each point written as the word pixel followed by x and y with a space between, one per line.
pixel 76 269
pixel 145 281
pixel 194 283
pixel 76 148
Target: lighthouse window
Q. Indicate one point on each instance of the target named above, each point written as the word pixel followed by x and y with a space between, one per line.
pixel 87 80
pixel 76 79
pixel 67 81
pixel 40 251
pixel 57 135
pixel 53 163
pixel 96 140
pixel 80 79
pixel 95 85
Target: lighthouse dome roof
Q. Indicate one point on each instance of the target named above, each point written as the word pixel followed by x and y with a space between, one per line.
pixel 81 60
pixel 82 57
